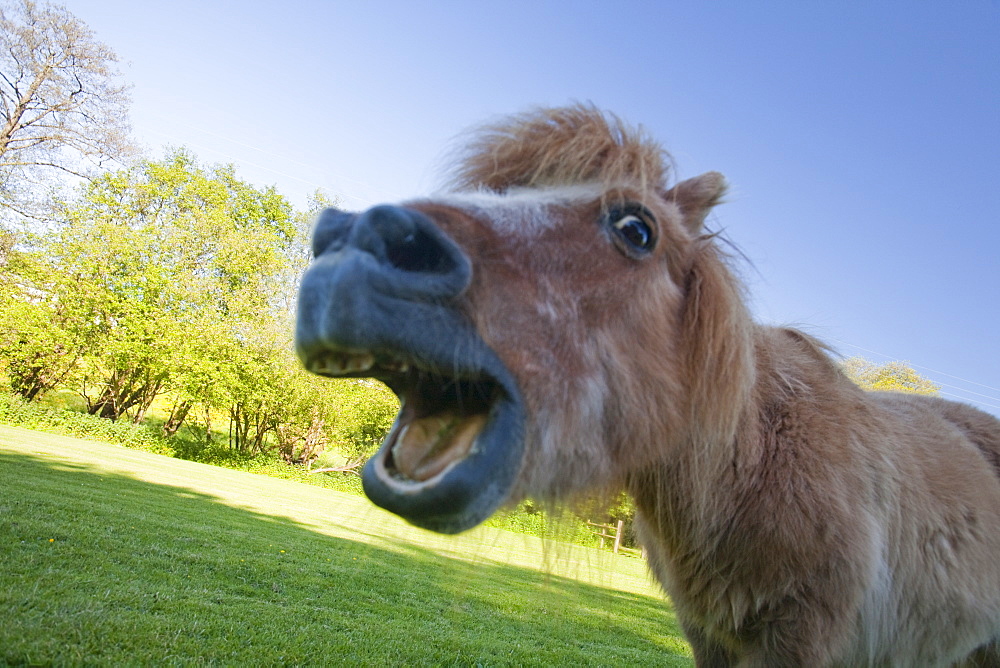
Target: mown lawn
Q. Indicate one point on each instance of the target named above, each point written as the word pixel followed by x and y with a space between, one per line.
pixel 116 556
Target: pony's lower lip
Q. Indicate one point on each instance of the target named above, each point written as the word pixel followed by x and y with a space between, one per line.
pixel 455 448
pixel 452 482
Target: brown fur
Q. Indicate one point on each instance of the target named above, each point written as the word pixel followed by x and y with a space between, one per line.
pixel 792 518
pixel 559 146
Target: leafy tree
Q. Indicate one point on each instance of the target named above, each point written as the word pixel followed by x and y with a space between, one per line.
pixel 169 278
pixel 48 322
pixel 208 263
pixel 365 410
pixel 63 106
pixel 7 242
pixel 204 370
pixel 256 400
pixel 169 266
pixel 305 414
pixel 891 376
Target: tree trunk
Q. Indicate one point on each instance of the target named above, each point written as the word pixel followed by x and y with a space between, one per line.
pixel 208 424
pixel 105 405
pixel 34 377
pixel 125 389
pixel 315 442
pixel 301 447
pixel 177 415
pixel 29 385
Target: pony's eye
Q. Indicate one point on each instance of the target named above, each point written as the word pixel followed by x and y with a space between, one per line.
pixel 634 230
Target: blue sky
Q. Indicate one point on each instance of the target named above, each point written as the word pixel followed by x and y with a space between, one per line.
pixel 861 139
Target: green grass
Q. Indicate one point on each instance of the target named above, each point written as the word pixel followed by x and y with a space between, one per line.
pixel 117 556
pixel 59 413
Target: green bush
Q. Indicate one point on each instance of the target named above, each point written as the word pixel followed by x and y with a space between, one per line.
pixel 556 523
pixel 16 411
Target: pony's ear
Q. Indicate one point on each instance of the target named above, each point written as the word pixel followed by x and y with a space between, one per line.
pixel 696 197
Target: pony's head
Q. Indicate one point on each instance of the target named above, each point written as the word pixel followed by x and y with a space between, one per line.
pixel 558 319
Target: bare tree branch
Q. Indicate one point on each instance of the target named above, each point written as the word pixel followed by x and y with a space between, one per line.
pixel 64 105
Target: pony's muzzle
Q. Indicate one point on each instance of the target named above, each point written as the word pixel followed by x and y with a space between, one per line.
pixel 372 273
pixel 381 300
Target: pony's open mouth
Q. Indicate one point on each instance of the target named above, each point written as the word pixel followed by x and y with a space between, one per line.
pixel 440 418
pixel 437 426
pixel 381 300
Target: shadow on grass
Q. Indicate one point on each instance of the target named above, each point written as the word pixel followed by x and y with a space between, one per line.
pixel 97 567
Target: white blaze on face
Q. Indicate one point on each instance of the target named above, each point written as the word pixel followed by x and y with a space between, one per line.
pixel 566 449
pixel 521 210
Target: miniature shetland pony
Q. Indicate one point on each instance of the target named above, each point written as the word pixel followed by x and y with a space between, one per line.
pixel 560 322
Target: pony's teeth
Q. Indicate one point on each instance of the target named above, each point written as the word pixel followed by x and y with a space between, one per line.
pixel 339 364
pixel 397 366
pixel 356 363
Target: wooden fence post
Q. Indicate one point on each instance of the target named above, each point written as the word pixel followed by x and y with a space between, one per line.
pixel 602 533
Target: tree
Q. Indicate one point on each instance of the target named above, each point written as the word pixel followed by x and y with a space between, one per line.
pixel 264 347
pixel 203 263
pixel 165 268
pixel 48 320
pixel 364 412
pixel 891 377
pixel 169 278
pixel 63 106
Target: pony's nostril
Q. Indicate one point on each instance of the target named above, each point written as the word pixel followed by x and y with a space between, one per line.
pixel 406 240
pixel 418 252
pixel 392 250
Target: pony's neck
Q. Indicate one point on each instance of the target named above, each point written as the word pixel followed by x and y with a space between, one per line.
pixel 696 491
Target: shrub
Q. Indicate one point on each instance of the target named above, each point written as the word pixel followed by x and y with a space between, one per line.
pixel 16 411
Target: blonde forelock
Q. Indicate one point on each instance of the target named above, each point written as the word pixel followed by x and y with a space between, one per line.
pixel 549 147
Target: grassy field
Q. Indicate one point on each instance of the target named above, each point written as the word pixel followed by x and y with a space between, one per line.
pixel 117 556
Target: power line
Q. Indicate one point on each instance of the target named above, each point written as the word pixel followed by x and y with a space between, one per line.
pixel 874 352
pixel 962 389
pixel 961 398
pixel 934 371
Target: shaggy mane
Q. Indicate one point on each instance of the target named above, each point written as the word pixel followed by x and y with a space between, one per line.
pixel 556 147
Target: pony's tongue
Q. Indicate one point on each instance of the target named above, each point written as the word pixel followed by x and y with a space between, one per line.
pixel 426 446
